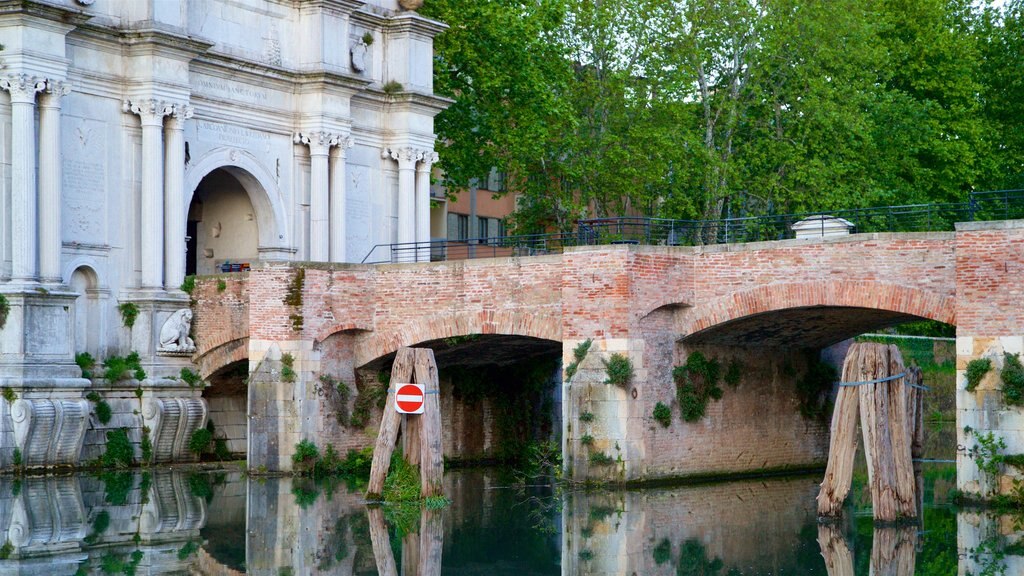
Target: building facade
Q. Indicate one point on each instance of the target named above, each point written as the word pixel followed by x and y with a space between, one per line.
pixel 142 140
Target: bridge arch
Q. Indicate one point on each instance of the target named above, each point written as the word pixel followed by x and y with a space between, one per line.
pixel 831 310
pixel 541 325
pixel 221 355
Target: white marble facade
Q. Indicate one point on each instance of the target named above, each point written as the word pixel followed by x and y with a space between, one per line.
pixel 262 129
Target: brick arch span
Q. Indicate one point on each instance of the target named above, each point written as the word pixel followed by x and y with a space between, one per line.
pixel 220 356
pixel 373 345
pixel 890 301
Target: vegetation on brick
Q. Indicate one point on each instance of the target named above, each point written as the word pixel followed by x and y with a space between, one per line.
pixel 696 383
pixel 976 370
pixel 619 369
pixel 733 373
pixel 578 354
pixel 1013 380
pixel 189 284
pixel 662 414
pixel 221 285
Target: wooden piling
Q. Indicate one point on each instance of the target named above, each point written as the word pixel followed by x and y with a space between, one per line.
pixel 888 421
pixel 381 543
pixel 431 458
pixel 401 372
pixel 431 543
pixel 838 559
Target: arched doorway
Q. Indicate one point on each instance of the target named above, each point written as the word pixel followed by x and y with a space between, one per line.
pixel 227 398
pixel 222 225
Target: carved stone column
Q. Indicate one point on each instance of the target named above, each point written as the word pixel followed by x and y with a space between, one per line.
pixel 338 212
pixel 24 215
pixel 151 113
pixel 319 233
pixel 423 205
pixel 174 197
pixel 50 180
pixel 407 158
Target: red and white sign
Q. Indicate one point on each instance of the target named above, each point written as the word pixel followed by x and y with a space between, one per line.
pixel 409 399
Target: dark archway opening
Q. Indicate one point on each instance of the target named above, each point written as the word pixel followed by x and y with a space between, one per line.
pixel 227 400
pixel 221 226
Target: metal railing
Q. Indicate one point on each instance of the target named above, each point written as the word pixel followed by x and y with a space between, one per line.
pixel 994 205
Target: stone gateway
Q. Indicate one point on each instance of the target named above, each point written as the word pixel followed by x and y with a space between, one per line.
pixel 148 140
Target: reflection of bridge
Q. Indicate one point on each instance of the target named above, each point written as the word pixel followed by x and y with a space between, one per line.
pixel 760 303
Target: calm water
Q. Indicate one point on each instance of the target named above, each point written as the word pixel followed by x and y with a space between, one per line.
pixel 180 522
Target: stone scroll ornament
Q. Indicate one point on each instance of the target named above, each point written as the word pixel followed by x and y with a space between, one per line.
pixel 171 422
pixel 174 333
pixel 49 432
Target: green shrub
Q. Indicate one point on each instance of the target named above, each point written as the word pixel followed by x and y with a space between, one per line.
pixel 16 457
pixel 6 550
pixel 578 354
pixel 200 441
pixel 586 416
pixel 189 377
pixel 117 368
pixel 103 412
pixel 9 395
pixel 119 452
pixel 5 309
pixel 86 362
pixel 733 373
pixel 146 445
pixel 620 370
pixel 220 449
pixel 189 284
pixel 662 414
pixel 287 370
pixel 221 285
pixel 129 312
pixel 306 453
pixel 587 440
pixel 976 370
pixel 1013 380
pixel 601 459
pixel 663 552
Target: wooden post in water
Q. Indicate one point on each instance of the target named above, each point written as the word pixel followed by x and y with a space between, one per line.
pixel 888 420
pixel 401 372
pixel 838 559
pixel 431 457
pixel 421 433
pixel 381 542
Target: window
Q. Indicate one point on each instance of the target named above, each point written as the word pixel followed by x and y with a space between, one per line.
pixel 489 227
pixel 458 227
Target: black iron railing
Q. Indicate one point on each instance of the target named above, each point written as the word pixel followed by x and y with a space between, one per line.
pixel 994 205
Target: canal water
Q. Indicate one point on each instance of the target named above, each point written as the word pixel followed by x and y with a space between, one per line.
pixel 165 521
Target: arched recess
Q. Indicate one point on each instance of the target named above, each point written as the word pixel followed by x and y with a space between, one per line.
pixel 373 345
pixel 216 358
pixel 259 183
pixel 815 314
pixel 88 312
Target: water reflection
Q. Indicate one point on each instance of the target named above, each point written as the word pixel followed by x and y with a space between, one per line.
pixel 175 522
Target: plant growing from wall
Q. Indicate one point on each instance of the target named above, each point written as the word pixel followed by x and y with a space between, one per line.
pixel 587 440
pixel 696 383
pixel 600 459
pixel 102 409
pixel 16 457
pixel 221 285
pixel 5 309
pixel 662 414
pixel 392 87
pixel 129 312
pixel 200 441
pixel 189 284
pixel 367 38
pixel 733 373
pixel 287 370
pixel 578 354
pixel 147 446
pixel 619 369
pixel 1013 380
pixel 586 416
pixel 118 368
pixel 189 377
pixel 976 370
pixel 9 395
pixel 293 297
pixel 813 389
pixel 340 393
pixel 119 452
pixel 86 363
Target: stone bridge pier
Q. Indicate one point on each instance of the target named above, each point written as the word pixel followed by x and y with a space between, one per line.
pixel 761 312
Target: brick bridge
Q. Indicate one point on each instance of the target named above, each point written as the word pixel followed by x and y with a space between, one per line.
pixel 762 304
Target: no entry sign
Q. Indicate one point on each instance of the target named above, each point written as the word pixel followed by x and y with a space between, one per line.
pixel 409 399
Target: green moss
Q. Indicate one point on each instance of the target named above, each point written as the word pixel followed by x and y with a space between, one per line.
pixel 976 370
pixel 662 414
pixel 1013 380
pixel 619 369
pixel 663 552
pixel 200 441
pixel 221 285
pixel 129 312
pixel 6 550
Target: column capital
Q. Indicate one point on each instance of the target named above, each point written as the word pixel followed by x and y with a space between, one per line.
pixel 406 156
pixel 179 113
pixel 23 88
pixel 428 158
pixel 319 142
pixel 150 110
pixel 55 90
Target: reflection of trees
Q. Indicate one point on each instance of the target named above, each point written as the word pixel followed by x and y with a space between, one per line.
pixel 694 561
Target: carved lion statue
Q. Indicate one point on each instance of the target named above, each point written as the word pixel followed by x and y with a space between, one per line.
pixel 174 333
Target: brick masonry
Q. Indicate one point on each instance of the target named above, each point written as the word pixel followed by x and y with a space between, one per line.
pixel 652 303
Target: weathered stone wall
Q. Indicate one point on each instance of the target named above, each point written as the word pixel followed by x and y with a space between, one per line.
pixel 990 324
